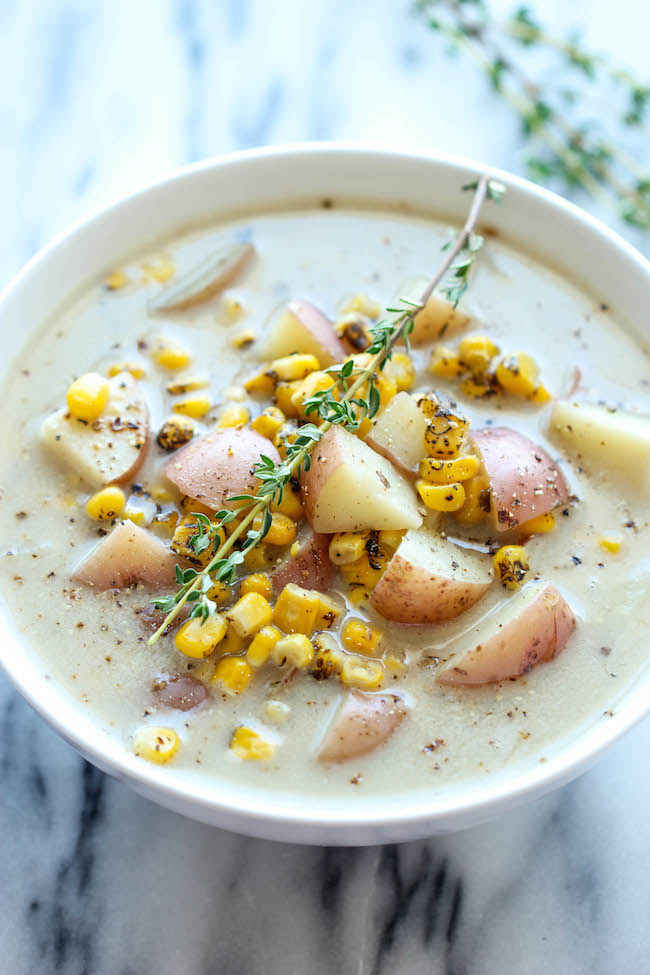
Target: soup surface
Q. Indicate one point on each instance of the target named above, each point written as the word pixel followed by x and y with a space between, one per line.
pixel 268 722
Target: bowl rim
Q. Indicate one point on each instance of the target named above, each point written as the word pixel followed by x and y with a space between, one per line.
pixel 265 817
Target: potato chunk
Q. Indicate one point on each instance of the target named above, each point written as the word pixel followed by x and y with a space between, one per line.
pixel 301 327
pixel 363 722
pixel 127 555
pixel 398 433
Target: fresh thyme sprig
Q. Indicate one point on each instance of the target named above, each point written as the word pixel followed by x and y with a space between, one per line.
pixel 353 397
pixel 566 146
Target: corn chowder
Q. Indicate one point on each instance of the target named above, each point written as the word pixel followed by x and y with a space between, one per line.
pixel 455 585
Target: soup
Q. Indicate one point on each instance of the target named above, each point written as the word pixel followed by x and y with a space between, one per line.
pixel 452 588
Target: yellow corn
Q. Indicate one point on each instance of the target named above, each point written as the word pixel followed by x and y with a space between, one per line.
pixel 541 525
pixel 107 503
pixel 541 395
pixel 441 497
pixel 288 433
pixel 359 637
pixel 429 404
pixel 362 304
pixel 258 558
pixel 186 384
pixel 296 609
pixel 115 280
pixel 232 309
pixel 161 271
pixel 446 432
pixel 479 388
pixel 315 382
pixel 347 547
pixel 296 650
pixel 328 612
pixel 219 593
pixel 198 639
pixel 139 510
pixel 166 520
pixel 445 363
pixel 249 614
pixel 400 369
pixel 390 539
pixel 518 374
pixel 362 673
pixel 171 356
pixel 328 661
pixel 232 674
pixel 232 643
pixel 261 646
pixel 87 396
pixel 185 531
pixel 449 471
pixel 611 542
pixel 294 367
pixel 269 422
pixel 191 507
pixel 276 711
pixel 196 406
pixel 257 582
pixel 366 571
pixel 511 565
pixel 394 664
pixel 359 595
pixel 283 398
pixel 235 415
pixel 291 505
pixel 175 432
pixel 475 492
pixel 260 382
pixel 477 352
pixel 135 370
pixel 236 394
pixel 282 531
pixel 243 339
pixel 249 746
pixel 157 745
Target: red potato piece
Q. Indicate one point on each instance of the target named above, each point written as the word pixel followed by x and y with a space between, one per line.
pixel 532 628
pixel 301 327
pixel 429 579
pixel 524 480
pixel 349 487
pixel 111 448
pixel 398 433
pixel 205 280
pixel 127 555
pixel 363 723
pixel 310 568
pixel 180 692
pixel 438 318
pixel 219 465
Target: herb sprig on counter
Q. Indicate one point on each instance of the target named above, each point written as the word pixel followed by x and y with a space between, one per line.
pixel 353 397
pixel 567 140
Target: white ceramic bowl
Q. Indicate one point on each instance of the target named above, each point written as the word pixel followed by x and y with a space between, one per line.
pixel 559 234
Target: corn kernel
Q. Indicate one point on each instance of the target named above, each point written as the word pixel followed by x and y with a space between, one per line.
pixel 291 505
pixel 540 525
pixel 133 368
pixel 354 329
pixel 199 638
pixel 295 548
pixel 390 539
pixel 401 370
pixel 249 614
pixel 115 280
pixel 441 497
pixel 296 609
pixel 87 396
pixel 294 367
pixel 359 595
pixel 191 507
pixel 446 432
pixel 479 388
pixel 282 531
pixel 195 406
pixel 257 582
pixel 359 637
pixel 157 745
pixel 362 304
pixel 258 558
pixel 139 510
pixel 276 711
pixel 232 643
pixel 261 646
pixel 244 338
pixel 477 501
pixel 445 363
pixel 611 542
pixel 268 423
pixel 362 673
pixel 186 384
pixel 235 415
pixel 261 383
pixel 171 356
pixel 511 565
pixel 219 593
pixel 296 650
pixel 166 520
pixel 314 383
pixel 283 398
pixel 328 612
pixel 394 664
pixel 175 432
pixel 186 530
pixel 366 571
pixel 518 374
pixel 477 352
pixel 232 674
pixel 288 433
pixel 347 547
pixel 161 271
pixel 429 404
pixel 231 308
pixel 107 503
pixel 541 395
pixel 249 746
pixel 328 661
pixel 449 471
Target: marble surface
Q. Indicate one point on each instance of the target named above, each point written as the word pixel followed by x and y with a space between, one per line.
pixel 98 97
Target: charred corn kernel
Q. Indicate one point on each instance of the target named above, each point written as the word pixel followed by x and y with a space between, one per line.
pixel 477 501
pixel 401 370
pixel 115 280
pixel 257 582
pixel 611 542
pixel 106 504
pixel 260 382
pixel 235 415
pixel 511 565
pixel 249 746
pixel 139 510
pixel 478 388
pixel 196 406
pixel 231 308
pixel 198 639
pixel 191 507
pixel 445 363
pixel 476 352
pixel 328 612
pixel 362 673
pixel 171 356
pixel 288 433
pixel 133 368
pixel 359 595
pixel 394 664
pixel 390 539
pixel 276 711
pixel 186 384
pixel 258 558
pixel 328 662
pixel 161 271
pixel 517 374
pixel 87 396
pixel 166 520
pixel 429 404
pixel 232 643
pixel 363 304
pixel 268 422
pixel 314 383
pixel 354 329
pixel 441 497
pixel 291 505
pixel 249 614
pixel 296 609
pixel 541 395
pixel 175 432
pixel 283 398
pixel 244 338
pixel 157 745
pixel 446 432
pixel 259 652
pixel 359 637
pixel 293 367
pixel 448 471
pixel 347 547
pixel 541 525
pixel 219 593
pixel 232 674
pixel 282 531
pixel 182 542
pixel 296 650
pixel 366 571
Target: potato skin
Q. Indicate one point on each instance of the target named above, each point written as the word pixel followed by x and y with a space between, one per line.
pixel 411 594
pixel 538 634
pixel 320 327
pixel 127 555
pixel 363 722
pixel 310 568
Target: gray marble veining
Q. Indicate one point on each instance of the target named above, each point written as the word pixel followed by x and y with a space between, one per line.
pixel 99 97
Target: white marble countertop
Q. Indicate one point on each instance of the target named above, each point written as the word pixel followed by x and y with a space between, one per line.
pixel 98 97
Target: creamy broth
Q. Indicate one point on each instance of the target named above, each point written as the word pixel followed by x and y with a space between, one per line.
pixel 95 644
